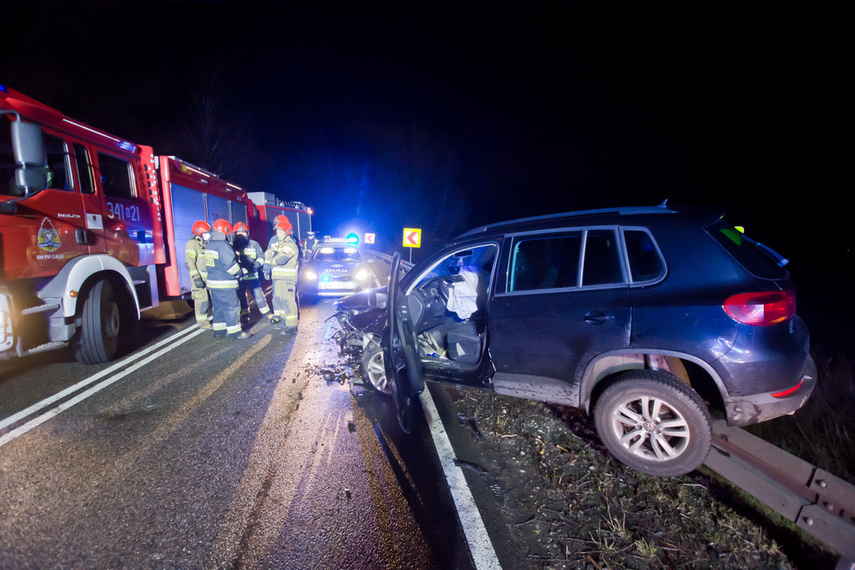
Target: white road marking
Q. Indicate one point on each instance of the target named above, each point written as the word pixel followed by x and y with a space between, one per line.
pixel 173 341
pixel 473 526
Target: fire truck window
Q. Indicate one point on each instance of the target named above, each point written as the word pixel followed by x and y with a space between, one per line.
pixel 116 177
pixel 7 163
pixel 84 169
pixel 57 161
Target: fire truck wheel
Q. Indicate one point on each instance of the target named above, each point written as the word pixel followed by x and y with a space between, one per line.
pixel 100 325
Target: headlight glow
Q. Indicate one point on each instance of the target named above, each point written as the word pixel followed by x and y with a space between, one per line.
pixel 310 275
pixel 361 275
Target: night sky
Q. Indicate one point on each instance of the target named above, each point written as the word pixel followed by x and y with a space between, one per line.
pixel 450 115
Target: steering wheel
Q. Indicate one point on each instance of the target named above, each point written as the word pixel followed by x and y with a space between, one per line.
pixel 444 290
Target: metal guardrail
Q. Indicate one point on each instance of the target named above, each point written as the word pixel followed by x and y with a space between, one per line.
pixel 820 503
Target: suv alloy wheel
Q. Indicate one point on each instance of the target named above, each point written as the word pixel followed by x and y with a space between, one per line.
pixel 654 423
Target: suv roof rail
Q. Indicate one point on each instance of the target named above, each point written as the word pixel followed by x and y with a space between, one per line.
pixel 662 208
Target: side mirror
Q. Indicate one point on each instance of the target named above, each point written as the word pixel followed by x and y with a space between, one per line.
pixel 31 179
pixel 29 150
pixel 28 145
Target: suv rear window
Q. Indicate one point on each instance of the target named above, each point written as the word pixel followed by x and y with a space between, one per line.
pixel 758 259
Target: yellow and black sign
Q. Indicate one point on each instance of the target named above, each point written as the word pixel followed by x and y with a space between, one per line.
pixel 412 237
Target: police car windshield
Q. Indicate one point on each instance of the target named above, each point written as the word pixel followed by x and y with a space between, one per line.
pixel 328 253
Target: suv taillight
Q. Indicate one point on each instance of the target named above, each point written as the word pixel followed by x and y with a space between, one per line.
pixel 761 309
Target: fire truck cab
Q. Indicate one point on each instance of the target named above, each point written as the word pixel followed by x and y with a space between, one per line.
pixel 92 230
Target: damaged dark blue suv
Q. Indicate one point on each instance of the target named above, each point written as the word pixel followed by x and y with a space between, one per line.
pixel 651 319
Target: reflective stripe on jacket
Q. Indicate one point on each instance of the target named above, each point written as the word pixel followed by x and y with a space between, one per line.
pixel 194 258
pixel 220 258
pixel 282 257
pixel 251 258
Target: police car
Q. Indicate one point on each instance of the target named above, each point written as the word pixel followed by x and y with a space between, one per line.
pixel 337 267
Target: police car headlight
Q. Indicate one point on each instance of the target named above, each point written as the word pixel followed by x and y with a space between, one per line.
pixel 310 275
pixel 361 275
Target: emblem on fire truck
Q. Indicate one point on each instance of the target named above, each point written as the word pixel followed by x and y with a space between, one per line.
pixel 48 237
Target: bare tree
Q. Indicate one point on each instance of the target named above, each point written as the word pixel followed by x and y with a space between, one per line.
pixel 413 180
pixel 213 129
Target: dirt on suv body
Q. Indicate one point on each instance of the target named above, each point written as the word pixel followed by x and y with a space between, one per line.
pixel 648 318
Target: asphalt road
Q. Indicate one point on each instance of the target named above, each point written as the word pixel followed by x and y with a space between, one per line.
pixel 208 453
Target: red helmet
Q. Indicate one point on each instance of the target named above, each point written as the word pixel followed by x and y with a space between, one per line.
pixel 200 227
pixel 224 226
pixel 240 227
pixel 284 225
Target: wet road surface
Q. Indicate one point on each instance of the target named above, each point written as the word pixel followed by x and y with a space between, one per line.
pixel 217 454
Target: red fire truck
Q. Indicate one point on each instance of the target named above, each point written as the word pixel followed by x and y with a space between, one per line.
pixel 92 230
pixel 269 207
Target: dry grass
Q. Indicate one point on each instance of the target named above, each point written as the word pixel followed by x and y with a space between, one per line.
pixel 569 504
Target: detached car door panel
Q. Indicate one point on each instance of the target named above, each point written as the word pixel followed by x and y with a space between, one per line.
pixel 403 368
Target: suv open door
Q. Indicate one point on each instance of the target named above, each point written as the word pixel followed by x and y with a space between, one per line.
pixel 401 356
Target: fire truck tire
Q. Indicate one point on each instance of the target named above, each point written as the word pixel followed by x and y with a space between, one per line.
pixel 100 325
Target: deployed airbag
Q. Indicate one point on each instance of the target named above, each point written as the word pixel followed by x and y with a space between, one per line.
pixel 462 298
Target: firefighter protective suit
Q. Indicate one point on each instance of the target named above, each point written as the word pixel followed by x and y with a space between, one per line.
pixel 282 257
pixel 194 261
pixel 251 259
pixel 223 272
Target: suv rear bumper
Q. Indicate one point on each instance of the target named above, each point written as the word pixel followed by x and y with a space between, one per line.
pixel 747 410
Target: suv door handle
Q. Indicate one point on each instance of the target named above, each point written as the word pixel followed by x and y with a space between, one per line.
pixel 598 318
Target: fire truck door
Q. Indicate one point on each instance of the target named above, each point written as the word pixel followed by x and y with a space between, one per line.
pixel 125 216
pixel 54 232
pixel 93 232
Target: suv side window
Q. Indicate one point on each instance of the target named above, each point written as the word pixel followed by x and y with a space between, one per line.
pixel 116 177
pixel 554 261
pixel 550 262
pixel 602 259
pixel 645 261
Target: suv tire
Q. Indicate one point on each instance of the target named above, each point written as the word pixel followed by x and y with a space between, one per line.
pixel 631 417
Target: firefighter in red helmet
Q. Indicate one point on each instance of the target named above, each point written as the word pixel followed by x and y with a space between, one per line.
pixel 194 261
pixel 251 259
pixel 281 257
pixel 223 273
